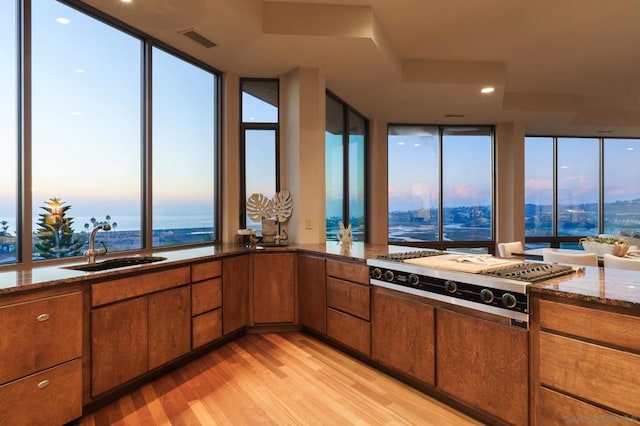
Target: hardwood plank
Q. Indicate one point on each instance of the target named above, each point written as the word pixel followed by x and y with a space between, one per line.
pixel 274 379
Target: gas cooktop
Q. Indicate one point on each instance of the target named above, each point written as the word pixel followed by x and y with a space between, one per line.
pixel 530 272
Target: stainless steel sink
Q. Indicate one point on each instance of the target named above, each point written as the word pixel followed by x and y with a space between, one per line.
pixel 119 262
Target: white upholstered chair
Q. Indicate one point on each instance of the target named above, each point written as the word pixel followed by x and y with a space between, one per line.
pixel 578 258
pixel 507 249
pixel 611 261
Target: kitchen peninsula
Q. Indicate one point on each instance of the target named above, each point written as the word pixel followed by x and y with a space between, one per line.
pixel 557 371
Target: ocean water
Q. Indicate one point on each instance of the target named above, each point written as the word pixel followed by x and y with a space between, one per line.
pixel 132 223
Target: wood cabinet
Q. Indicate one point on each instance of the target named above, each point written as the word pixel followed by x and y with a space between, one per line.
pixel 40 358
pixel 403 333
pixel 138 323
pixel 483 364
pixel 586 363
pixel 50 397
pixel 169 325
pixel 312 292
pixel 274 293
pixel 119 344
pixel 349 305
pixel 235 291
pixel 206 302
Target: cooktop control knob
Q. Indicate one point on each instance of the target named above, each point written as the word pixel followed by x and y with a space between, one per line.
pixel 376 273
pixel 509 300
pixel 388 275
pixel 451 286
pixel 486 295
pixel 414 279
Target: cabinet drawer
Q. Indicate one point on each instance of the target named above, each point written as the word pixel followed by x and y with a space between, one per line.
pixel 348 297
pixel 206 328
pixel 125 288
pixel 39 334
pixel 349 330
pixel 348 271
pixel 207 270
pixel 612 328
pixel 608 377
pixel 206 295
pixel 51 397
pixel 556 408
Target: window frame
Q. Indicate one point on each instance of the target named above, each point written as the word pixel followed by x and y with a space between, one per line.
pixel 441 244
pixel 24 222
pixel 346 110
pixel 560 241
pixel 247 126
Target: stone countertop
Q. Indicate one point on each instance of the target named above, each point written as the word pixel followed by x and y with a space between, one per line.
pixel 12 281
pixel 609 286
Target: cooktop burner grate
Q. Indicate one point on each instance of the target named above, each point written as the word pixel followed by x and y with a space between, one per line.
pixel 530 272
pixel 399 257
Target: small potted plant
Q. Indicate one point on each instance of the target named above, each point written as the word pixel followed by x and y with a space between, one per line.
pixel 603 245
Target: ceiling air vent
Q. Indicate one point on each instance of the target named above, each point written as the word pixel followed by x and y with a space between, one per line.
pixel 454 115
pixel 198 38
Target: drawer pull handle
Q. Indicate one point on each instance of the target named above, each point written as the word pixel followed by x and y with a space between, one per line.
pixel 43 384
pixel 43 317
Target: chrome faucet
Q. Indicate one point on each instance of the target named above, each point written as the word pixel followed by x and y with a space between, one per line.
pixel 93 252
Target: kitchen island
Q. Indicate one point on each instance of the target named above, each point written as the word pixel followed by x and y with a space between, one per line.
pixel 583 327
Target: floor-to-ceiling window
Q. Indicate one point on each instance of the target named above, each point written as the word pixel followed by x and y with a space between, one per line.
pixel 184 180
pixel 96 148
pixel 440 183
pixel 86 109
pixel 580 186
pixel 345 159
pixel 9 227
pixel 259 143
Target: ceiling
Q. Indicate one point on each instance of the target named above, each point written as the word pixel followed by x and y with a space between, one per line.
pixel 560 67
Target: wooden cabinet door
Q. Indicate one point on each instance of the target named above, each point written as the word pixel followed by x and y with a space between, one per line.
pixel 39 334
pixel 169 325
pixel 273 288
pixel 312 292
pixel 403 334
pixel 484 364
pixel 118 344
pixel 235 293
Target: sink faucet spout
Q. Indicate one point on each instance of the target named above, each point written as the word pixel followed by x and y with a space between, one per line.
pixel 93 252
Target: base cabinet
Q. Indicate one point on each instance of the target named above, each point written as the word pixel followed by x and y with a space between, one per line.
pixel 235 291
pixel 51 397
pixel 403 334
pixel 349 305
pixel 169 325
pixel 274 288
pixel 40 358
pixel 483 364
pixel 137 324
pixel 581 374
pixel 119 344
pixel 312 293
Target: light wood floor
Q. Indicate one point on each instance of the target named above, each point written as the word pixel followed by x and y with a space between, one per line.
pixel 276 379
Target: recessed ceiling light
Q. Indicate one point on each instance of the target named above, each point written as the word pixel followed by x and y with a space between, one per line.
pixel 630 148
pixel 63 21
pixel 75 113
pixel 564 167
pixel 416 144
pixel 486 90
pixel 79 70
pixel 126 1
pixel 400 143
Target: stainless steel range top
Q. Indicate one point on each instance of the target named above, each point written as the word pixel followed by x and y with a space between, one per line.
pixel 480 282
